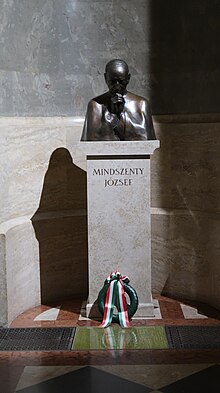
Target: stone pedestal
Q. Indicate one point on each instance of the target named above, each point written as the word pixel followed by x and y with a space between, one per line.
pixel 119 222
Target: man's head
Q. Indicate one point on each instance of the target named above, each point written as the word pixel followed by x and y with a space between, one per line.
pixel 117 76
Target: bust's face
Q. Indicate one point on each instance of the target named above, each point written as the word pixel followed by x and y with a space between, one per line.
pixel 117 78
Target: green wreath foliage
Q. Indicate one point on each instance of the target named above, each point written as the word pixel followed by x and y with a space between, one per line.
pixel 132 307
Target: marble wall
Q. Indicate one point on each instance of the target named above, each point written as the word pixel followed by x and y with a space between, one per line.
pixel 186 207
pixel 43 211
pixel 53 53
pixel 43 239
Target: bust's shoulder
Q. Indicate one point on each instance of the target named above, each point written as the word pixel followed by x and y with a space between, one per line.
pixel 136 97
pixel 99 100
pixel 140 101
pixel 93 107
pixel 92 103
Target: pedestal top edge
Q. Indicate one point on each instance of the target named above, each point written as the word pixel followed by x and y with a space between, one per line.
pixel 118 148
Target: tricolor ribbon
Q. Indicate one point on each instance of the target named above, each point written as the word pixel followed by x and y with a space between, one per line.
pixel 115 296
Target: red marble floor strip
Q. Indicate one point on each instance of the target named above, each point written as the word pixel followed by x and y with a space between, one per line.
pixel 170 309
pixel 137 322
pixel 69 316
pixel 69 313
pixel 27 317
pixel 70 310
pixel 62 323
pixel 202 308
pixel 98 357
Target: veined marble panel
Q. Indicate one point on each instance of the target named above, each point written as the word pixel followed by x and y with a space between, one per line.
pixel 26 148
pixel 53 53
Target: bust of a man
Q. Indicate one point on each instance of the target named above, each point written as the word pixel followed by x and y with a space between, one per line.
pixel 118 115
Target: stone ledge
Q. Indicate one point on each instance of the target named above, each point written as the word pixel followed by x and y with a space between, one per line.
pixel 187 118
pixel 73 120
pixel 21 268
pixel 36 121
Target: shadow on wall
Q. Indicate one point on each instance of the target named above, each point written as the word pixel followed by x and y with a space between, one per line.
pixel 60 225
pixel 187 187
pixel 183 58
pixel 184 79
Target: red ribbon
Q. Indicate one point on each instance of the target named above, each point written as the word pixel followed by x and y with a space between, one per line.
pixel 115 296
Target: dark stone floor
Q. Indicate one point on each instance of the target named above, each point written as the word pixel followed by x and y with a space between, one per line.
pixel 106 369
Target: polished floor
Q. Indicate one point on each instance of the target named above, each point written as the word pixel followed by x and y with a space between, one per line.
pixel 113 359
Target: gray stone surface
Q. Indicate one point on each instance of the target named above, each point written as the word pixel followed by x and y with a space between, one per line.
pixel 53 53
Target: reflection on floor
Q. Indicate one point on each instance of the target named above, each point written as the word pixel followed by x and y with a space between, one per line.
pixel 114 337
pixel 89 367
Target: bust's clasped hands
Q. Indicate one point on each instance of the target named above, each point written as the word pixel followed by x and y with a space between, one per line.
pixel 117 104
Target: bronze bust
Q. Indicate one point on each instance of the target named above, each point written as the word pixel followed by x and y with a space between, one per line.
pixel 118 115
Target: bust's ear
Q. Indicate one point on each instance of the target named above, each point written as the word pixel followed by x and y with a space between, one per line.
pixel 129 75
pixel 105 76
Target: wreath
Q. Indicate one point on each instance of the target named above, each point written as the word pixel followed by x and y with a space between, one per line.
pixel 113 294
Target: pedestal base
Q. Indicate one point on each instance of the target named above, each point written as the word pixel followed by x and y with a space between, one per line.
pixel 144 310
